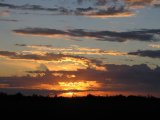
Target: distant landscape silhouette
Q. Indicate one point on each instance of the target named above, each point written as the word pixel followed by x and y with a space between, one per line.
pixel 89 106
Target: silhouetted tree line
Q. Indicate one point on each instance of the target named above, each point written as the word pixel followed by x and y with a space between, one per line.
pixel 89 106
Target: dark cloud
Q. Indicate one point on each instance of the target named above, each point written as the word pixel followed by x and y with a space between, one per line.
pixel 27 7
pixel 7 5
pixel 7 53
pixel 147 53
pixel 157 5
pixel 121 77
pixel 95 2
pixel 9 20
pixel 113 36
pixel 101 2
pixel 25 45
pixel 122 74
pixel 111 11
pixel 39 31
pixel 21 45
pixel 80 10
pixel 136 78
pixel 126 2
pixel 46 57
pixel 139 2
pixel 29 91
pixel 111 8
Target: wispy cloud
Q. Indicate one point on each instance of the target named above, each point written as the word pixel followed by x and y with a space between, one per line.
pixel 9 20
pixel 154 45
pixel 92 11
pixel 72 50
pixel 111 11
pixel 147 53
pixel 97 8
pixel 60 58
pixel 141 3
pixel 26 7
pixel 128 3
pixel 113 36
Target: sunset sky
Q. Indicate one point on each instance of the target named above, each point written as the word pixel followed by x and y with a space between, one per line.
pixel 80 47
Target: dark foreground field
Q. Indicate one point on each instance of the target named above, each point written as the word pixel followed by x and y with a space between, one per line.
pixel 78 107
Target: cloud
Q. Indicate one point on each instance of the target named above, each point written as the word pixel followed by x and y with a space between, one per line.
pixel 147 53
pixel 46 56
pixel 157 5
pixel 7 53
pixel 9 20
pixel 113 36
pixel 101 2
pixel 27 7
pixel 114 74
pixel 111 11
pixel 95 8
pixel 103 15
pixel 129 3
pixel 4 85
pixel 154 45
pixel 139 4
pixel 43 67
pixel 7 5
pixel 4 13
pixel 142 2
pixel 72 50
pixel 41 31
pixel 21 45
pixel 25 45
pixel 117 78
pixel 58 58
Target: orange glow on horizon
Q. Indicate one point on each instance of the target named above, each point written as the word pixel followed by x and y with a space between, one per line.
pixel 68 94
pixel 69 86
pixel 79 85
pixel 85 93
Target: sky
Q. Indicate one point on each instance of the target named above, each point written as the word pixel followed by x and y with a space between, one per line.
pixel 80 47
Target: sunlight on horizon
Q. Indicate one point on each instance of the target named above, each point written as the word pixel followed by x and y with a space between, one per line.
pixel 79 85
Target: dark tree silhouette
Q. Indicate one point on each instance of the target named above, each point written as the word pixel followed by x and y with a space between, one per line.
pixel 89 107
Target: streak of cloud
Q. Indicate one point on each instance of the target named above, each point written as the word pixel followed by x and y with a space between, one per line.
pixel 147 35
